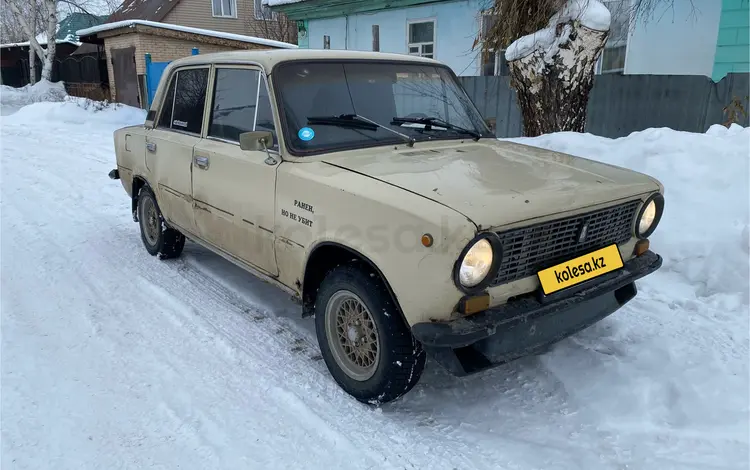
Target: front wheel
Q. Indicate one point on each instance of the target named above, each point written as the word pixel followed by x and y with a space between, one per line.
pixel 365 343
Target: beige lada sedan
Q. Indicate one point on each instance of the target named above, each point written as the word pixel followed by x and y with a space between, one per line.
pixel 368 186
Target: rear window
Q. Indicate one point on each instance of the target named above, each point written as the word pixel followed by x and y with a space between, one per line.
pixel 165 120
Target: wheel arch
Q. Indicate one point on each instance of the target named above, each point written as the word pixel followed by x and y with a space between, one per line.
pixel 322 259
pixel 139 182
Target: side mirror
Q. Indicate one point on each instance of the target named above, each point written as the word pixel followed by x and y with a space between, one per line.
pixel 258 140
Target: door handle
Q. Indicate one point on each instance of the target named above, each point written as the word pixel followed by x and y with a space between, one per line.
pixel 151 146
pixel 201 162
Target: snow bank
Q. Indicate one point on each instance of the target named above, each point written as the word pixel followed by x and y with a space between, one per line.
pixel 41 91
pixel 220 370
pixel 77 111
pixel 590 13
pixel 703 234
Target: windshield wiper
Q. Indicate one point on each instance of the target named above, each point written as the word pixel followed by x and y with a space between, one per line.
pixel 355 121
pixel 430 121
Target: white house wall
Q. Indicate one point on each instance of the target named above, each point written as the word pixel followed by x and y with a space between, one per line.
pixel 676 42
pixel 456 26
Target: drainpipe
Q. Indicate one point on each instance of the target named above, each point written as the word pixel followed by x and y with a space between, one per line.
pixel 346 33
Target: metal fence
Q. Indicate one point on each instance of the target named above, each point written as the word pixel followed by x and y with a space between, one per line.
pixel 621 104
pixel 83 68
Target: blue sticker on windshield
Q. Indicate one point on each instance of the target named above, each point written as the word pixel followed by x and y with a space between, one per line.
pixel 306 134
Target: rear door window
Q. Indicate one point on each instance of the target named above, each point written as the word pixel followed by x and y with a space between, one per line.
pixel 189 100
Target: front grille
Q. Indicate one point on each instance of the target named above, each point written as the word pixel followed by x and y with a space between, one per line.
pixel 530 249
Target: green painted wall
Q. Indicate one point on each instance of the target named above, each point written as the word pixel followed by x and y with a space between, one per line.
pixel 303 39
pixel 733 43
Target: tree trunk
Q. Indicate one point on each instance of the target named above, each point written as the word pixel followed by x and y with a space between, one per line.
pixel 49 57
pixel 553 92
pixel 32 54
pixel 31 33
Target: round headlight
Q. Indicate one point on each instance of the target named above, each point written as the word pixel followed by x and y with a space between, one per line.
pixel 649 216
pixel 476 264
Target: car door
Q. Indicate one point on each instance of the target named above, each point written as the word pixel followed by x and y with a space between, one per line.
pixel 234 189
pixel 170 144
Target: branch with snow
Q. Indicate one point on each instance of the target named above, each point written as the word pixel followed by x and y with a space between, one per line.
pixel 591 14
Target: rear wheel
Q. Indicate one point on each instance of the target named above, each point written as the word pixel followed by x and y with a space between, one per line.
pixel 156 236
pixel 365 343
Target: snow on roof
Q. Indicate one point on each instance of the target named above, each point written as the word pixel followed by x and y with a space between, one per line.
pixel 42 42
pixel 591 13
pixel 185 29
pixel 273 3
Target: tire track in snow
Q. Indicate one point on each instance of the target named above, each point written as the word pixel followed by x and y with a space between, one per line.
pixel 213 304
pixel 222 383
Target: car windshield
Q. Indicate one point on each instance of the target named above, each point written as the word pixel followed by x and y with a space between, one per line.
pixel 340 105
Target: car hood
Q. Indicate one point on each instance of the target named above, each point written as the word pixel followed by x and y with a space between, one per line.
pixel 495 183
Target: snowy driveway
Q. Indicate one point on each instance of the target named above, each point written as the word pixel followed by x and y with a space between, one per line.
pixel 114 359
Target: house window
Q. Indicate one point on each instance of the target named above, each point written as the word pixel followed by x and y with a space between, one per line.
pixel 612 59
pixel 262 12
pixel 422 38
pixel 493 61
pixel 225 8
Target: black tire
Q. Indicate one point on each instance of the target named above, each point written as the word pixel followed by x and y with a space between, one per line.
pixel 401 359
pixel 158 239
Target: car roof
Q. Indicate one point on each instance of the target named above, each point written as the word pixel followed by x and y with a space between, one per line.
pixel 271 57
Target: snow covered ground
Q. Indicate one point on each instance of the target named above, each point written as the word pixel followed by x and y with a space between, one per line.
pixel 114 359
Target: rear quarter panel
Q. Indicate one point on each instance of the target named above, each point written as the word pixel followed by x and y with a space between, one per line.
pixel 317 202
pixel 130 151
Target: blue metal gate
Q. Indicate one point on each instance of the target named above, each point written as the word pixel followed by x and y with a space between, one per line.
pixel 154 70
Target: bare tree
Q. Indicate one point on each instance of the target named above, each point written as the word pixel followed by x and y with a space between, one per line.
pixel 552 47
pixel 10 28
pixel 25 12
pixel 271 25
pixel 35 15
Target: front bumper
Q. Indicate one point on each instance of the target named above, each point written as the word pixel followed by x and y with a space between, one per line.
pixel 532 323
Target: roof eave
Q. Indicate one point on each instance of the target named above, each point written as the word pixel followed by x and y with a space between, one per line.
pixel 318 9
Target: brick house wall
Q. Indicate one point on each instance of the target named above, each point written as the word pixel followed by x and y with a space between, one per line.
pixel 163 45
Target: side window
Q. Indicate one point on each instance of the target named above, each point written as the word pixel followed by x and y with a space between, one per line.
pixel 234 105
pixel 165 120
pixel 241 104
pixel 186 97
pixel 264 121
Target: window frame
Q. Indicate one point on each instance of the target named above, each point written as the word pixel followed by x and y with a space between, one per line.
pixel 175 75
pixel 499 55
pixel 619 42
pixel 210 103
pixel 409 44
pixel 221 5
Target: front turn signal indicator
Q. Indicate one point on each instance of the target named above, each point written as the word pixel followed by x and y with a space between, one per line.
pixel 641 247
pixel 474 304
